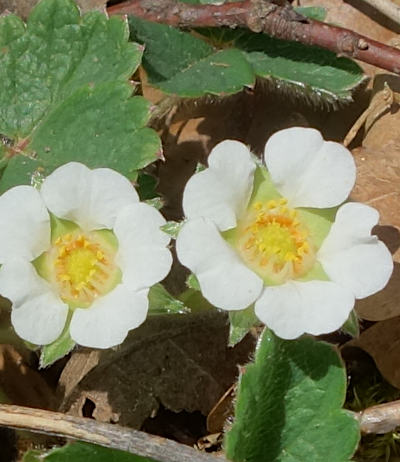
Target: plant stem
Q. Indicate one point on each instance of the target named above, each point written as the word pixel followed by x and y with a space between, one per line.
pixel 108 435
pixel 262 16
pixel 386 7
pixel 382 418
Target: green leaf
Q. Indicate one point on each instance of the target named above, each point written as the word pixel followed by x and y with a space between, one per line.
pixel 312 12
pixel 289 405
pixel 192 282
pixel 240 323
pixel 162 302
pixel 83 452
pixel 172 228
pixel 65 95
pixel 146 186
pixel 352 326
pixel 312 71
pixel 181 64
pixel 59 348
pixel 156 202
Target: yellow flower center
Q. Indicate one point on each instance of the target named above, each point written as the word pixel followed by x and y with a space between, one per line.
pixel 273 242
pixel 83 266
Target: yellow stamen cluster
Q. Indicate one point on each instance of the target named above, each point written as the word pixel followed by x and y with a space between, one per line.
pixel 274 243
pixel 83 267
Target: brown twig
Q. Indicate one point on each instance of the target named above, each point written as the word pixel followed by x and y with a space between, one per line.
pixel 386 7
pixel 108 435
pixel 273 20
pixel 382 418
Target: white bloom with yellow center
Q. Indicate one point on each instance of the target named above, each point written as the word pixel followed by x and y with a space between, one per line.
pixel 85 244
pixel 274 237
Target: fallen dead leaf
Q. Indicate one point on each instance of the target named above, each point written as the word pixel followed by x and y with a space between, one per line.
pixel 23 7
pixel 378 185
pixel 219 414
pixel 361 18
pixel 181 362
pixel 382 342
pixel 21 384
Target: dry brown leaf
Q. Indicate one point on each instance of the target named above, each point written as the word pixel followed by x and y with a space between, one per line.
pixel 361 18
pixel 378 185
pixel 219 414
pixel 181 362
pixel 90 5
pixel 382 342
pixel 21 384
pixel 23 7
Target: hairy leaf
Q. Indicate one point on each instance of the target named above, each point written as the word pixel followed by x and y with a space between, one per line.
pixel 227 60
pixel 83 452
pixel 289 405
pixel 65 95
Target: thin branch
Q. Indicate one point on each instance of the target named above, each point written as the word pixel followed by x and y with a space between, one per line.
pixel 386 7
pixel 382 418
pixel 108 435
pixel 269 18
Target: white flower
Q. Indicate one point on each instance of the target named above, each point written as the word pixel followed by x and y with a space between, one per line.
pixel 99 264
pixel 266 237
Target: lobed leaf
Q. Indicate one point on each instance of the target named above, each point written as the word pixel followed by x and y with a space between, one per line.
pixel 65 96
pixel 289 405
pixel 83 452
pixel 227 60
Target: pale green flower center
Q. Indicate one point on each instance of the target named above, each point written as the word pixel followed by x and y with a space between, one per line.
pixel 80 265
pixel 274 243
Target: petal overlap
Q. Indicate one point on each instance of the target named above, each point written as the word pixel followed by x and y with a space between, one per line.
pixel 25 226
pixel 109 319
pixel 143 255
pixel 307 170
pixel 38 314
pixel 295 308
pixel 220 193
pixel 224 280
pixel 351 256
pixel 90 198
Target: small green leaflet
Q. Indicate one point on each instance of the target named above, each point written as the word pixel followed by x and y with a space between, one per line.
pixel 59 348
pixel 240 323
pixel 228 60
pixel 65 94
pixel 82 452
pixel 162 302
pixel 352 325
pixel 288 406
pixel 312 12
pixel 172 228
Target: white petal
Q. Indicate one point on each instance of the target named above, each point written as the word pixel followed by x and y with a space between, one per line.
pixel 107 321
pixel 307 170
pixel 38 315
pixel 142 255
pixel 224 280
pixel 222 191
pixel 295 308
pixel 25 224
pixel 90 198
pixel 352 257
